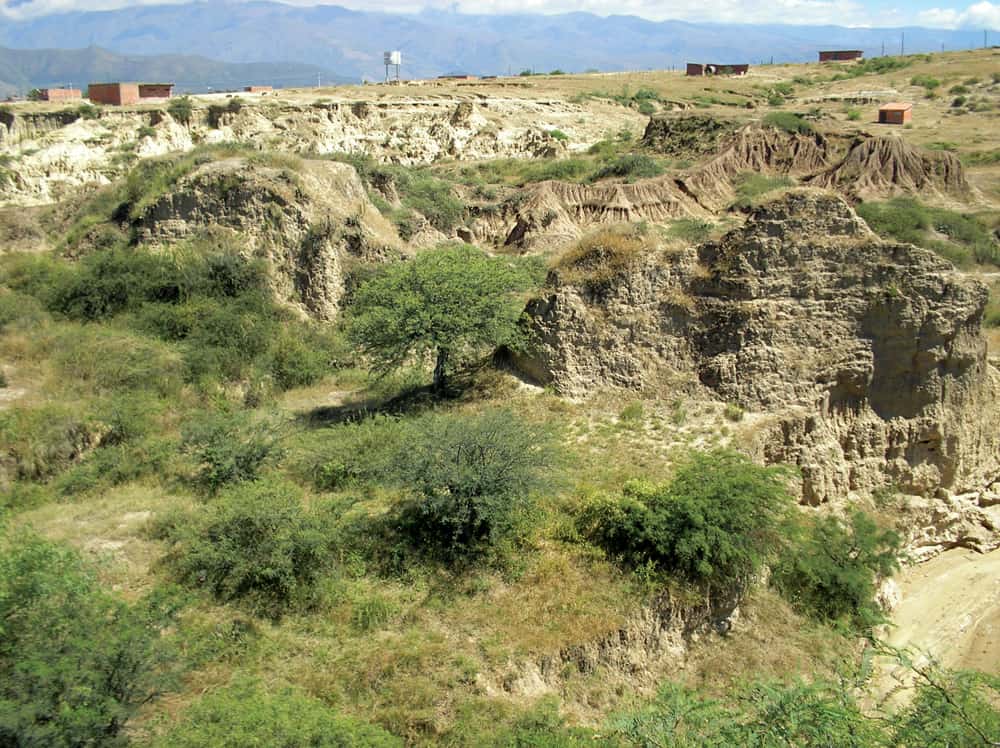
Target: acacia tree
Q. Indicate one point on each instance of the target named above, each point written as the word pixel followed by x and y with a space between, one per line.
pixel 451 303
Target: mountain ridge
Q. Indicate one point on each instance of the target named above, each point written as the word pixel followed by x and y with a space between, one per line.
pixel 434 42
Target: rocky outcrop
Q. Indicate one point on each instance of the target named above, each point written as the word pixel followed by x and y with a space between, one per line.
pixel 58 150
pixel 866 358
pixel 883 166
pixel 687 136
pixel 312 221
pixel 553 213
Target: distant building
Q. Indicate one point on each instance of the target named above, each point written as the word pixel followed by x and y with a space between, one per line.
pixel 840 55
pixel 457 77
pixel 258 89
pixel 126 94
pixel 156 90
pixel 113 94
pixel 895 114
pixel 59 94
pixel 696 69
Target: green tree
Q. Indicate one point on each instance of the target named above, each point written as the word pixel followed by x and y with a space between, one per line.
pixel 244 715
pixel 830 571
pixel 951 709
pixel 75 663
pixel 452 303
pixel 715 524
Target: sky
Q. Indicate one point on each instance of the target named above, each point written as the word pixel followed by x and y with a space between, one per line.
pixel 934 13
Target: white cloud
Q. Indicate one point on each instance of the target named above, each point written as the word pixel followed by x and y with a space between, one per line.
pixel 984 15
pixel 840 12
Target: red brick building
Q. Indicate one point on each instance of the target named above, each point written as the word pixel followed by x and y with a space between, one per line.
pixel 59 94
pixel 895 114
pixel 156 90
pixel 840 55
pixel 126 94
pixel 113 94
pixel 258 89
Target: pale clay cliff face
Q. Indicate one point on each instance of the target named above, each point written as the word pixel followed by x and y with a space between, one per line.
pixel 866 356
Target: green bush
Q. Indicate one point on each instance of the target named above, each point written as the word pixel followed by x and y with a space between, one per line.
pixel 42 441
pixel 694 230
pixel 245 715
pixel 564 169
pixel 789 122
pixel 714 525
pixel 631 166
pixel 75 663
pixel 229 447
pixel 907 220
pixel 950 709
pixel 181 108
pixel 853 114
pixel 925 81
pixel 354 454
pixel 255 544
pixel 750 186
pixel 473 478
pixel 831 572
pixel 764 715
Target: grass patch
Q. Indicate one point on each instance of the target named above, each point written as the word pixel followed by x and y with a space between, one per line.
pixel 751 186
pixel 597 260
pixel 789 122
pixel 960 238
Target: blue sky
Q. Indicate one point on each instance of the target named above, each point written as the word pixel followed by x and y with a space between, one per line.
pixel 975 15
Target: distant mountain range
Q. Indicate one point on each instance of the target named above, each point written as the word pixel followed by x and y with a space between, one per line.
pixel 435 42
pixel 24 69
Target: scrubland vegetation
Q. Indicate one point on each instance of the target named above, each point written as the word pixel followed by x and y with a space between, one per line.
pixel 161 375
pixel 225 524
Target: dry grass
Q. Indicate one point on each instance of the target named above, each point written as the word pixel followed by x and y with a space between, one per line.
pixel 600 258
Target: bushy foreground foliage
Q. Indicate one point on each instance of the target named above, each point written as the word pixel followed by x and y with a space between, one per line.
pixel 715 524
pixel 957 710
pixel 245 715
pixel 831 570
pixel 75 663
pixel 451 303
pixel 255 543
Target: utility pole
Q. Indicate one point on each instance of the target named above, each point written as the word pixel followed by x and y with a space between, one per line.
pixel 902 42
pixel 319 80
pixel 883 47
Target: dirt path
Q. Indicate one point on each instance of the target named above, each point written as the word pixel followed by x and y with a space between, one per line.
pixel 951 609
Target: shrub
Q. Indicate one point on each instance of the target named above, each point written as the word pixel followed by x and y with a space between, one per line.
pixel 714 525
pixel 434 199
pixel 751 185
pixel 950 709
pixel 693 230
pixel 831 573
pixel 358 453
pixel 255 544
pixel 181 108
pixel 146 132
pixel 925 81
pixel 246 715
pixel 809 715
pixel 565 169
pixel 88 111
pixel 41 442
pixel 733 412
pixel 789 122
pixel 598 259
pixel 472 478
pixel 853 114
pixel 216 111
pixel 631 166
pixel 558 135
pixel 959 89
pixel 229 447
pixel 75 663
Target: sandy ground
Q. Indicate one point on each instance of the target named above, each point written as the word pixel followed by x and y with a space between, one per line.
pixel 951 610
